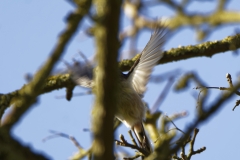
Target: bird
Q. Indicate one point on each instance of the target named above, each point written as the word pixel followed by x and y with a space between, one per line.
pixel 130 109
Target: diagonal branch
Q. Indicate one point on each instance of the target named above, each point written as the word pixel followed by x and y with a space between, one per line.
pixel 28 95
pixel 11 149
pixel 25 97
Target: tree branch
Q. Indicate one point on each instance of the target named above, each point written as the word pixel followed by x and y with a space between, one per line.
pixel 207 49
pixel 11 149
pixel 105 31
pixel 25 97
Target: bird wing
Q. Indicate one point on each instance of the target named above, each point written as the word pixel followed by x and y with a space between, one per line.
pixel 151 54
pixel 81 73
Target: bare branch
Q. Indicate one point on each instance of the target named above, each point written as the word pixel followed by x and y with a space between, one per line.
pixel 124 143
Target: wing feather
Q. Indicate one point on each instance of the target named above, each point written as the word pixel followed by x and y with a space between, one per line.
pixel 150 55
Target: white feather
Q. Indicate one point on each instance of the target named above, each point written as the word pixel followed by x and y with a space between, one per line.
pixel 151 54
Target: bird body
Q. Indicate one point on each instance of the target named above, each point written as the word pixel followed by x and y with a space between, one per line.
pixel 130 108
pixel 131 111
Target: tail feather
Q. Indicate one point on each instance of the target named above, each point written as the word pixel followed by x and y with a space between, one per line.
pixel 142 137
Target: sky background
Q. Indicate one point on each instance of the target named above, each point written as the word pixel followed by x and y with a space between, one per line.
pixel 29 30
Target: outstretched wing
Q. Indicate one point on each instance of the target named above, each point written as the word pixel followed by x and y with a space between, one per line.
pixel 151 54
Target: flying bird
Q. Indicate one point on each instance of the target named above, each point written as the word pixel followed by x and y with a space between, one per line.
pixel 130 108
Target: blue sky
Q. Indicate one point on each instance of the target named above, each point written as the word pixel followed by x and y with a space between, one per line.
pixel 29 31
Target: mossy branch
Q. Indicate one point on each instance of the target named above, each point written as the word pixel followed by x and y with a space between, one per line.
pixel 106 89
pixel 207 49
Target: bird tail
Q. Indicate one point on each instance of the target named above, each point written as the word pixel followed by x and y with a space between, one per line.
pixel 142 137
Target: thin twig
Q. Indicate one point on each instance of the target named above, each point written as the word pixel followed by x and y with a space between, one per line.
pixel 132 138
pixel 174 125
pixel 236 104
pixel 76 94
pixel 162 96
pixel 124 143
pixel 60 134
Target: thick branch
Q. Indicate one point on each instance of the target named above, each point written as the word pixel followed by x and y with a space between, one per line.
pixel 52 83
pixel 106 31
pixel 207 49
pixel 217 18
pixel 11 149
